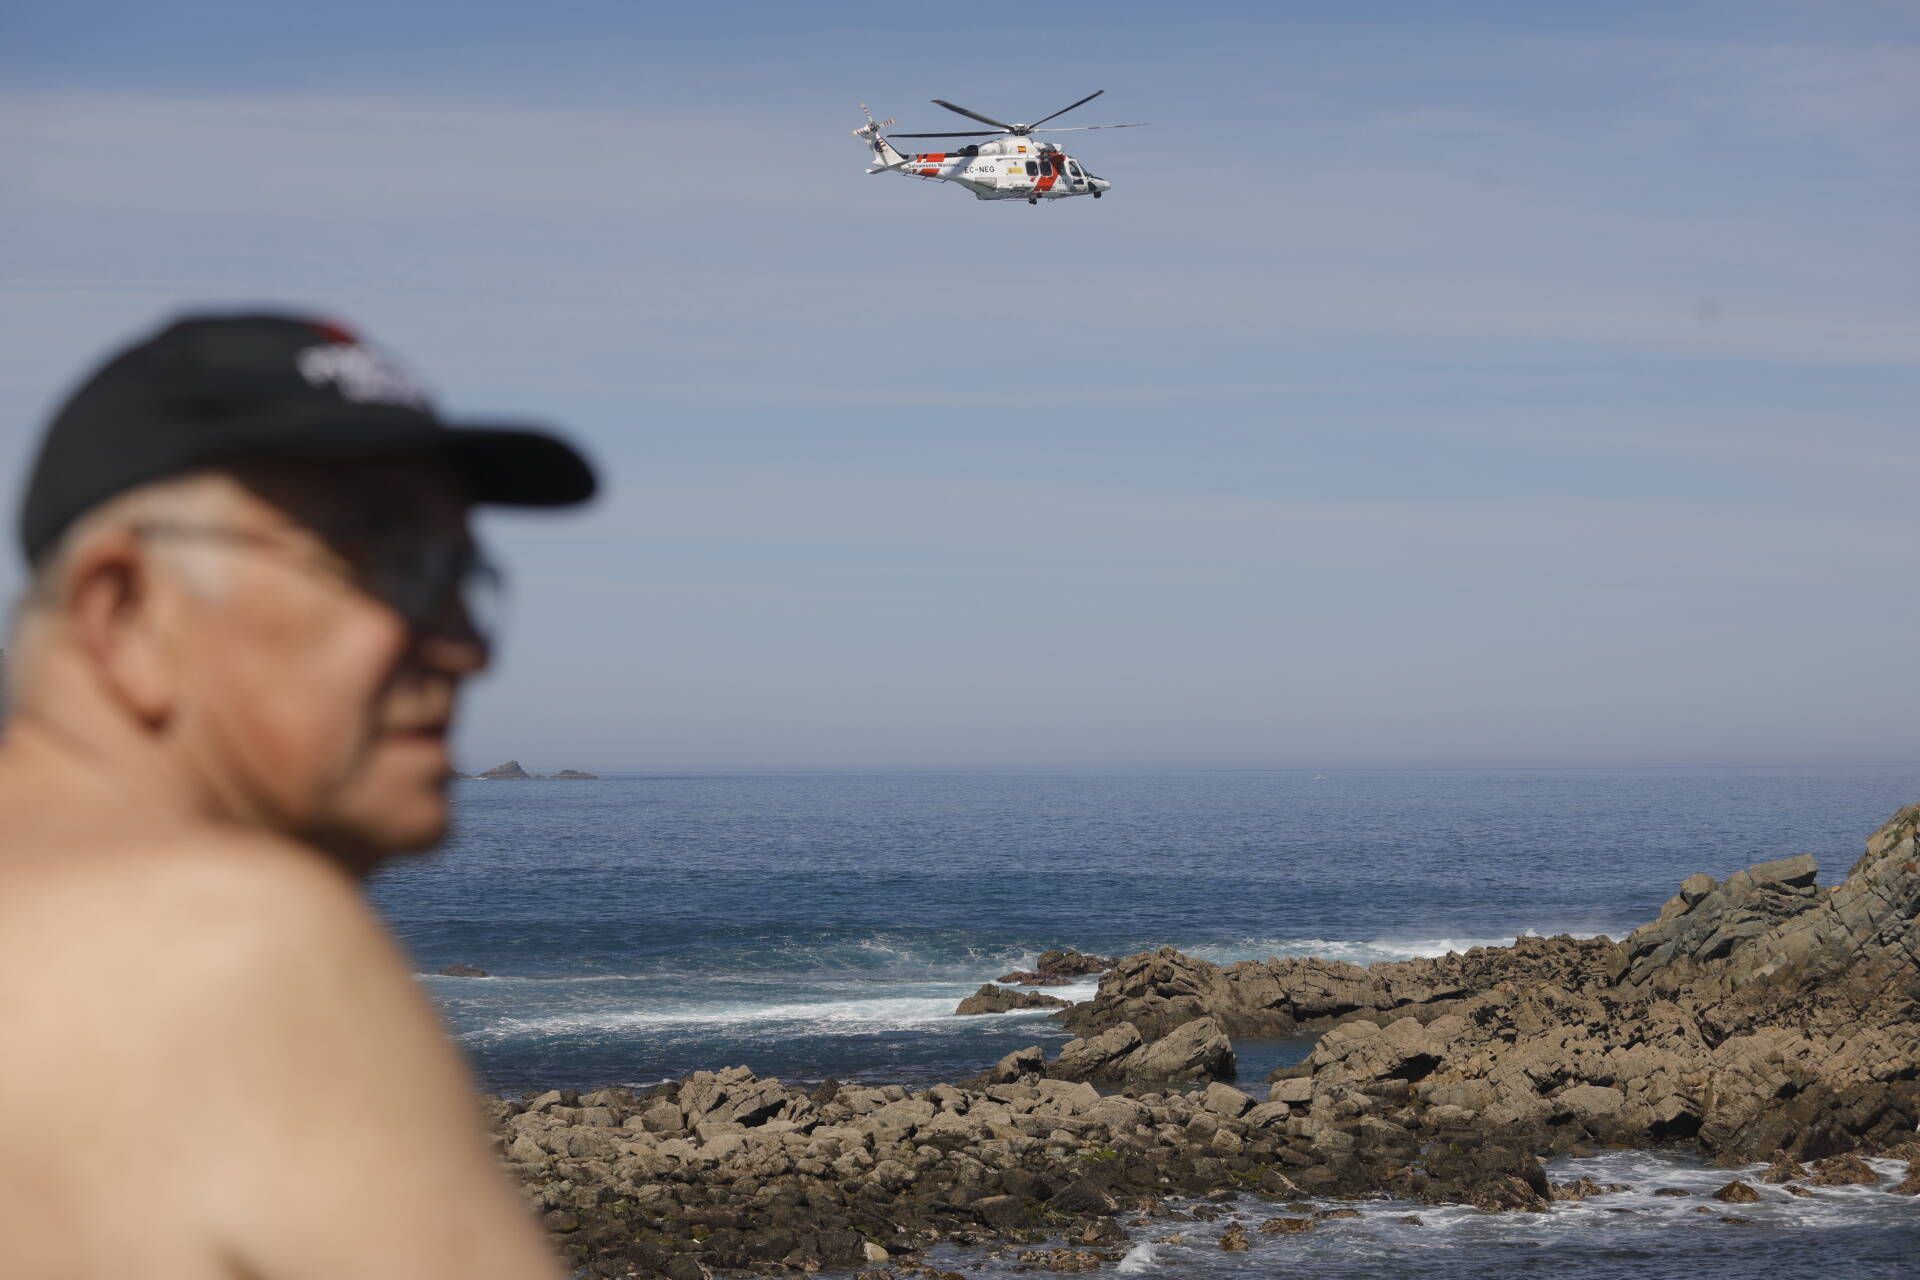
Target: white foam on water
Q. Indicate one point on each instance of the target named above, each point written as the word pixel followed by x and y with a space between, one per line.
pixel 1366 951
pixel 908 1006
pixel 795 1018
pixel 1646 1172
pixel 1462 1236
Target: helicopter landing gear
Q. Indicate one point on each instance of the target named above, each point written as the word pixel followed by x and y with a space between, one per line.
pixel 1033 199
pixel 1096 195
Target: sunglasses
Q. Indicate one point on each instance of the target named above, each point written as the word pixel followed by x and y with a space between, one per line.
pixel 439 587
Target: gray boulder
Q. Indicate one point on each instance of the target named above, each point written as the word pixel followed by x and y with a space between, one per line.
pixel 1096 1057
pixel 1707 921
pixel 992 998
pixel 1199 1050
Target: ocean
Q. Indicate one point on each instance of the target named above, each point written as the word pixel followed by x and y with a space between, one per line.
pixel 824 925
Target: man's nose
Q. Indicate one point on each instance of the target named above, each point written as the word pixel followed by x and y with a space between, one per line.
pixel 461 653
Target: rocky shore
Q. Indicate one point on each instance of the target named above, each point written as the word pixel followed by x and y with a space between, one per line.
pixel 1765 1018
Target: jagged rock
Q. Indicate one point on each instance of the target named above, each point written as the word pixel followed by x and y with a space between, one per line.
pixel 1294 1090
pixel 1495 1178
pixel 1784 1169
pixel 1590 1103
pixel 1028 1061
pixel 1096 1057
pixel 462 971
pixel 1286 1226
pixel 1707 921
pixel 1267 1113
pixel 1197 1050
pixel 1160 990
pixel 1003 1213
pixel 1084 1196
pixel 997 999
pixel 1056 968
pixel 1234 1238
pixel 1226 1101
pixel 510 771
pixel 1842 1171
pixel 1737 1192
pixel 1069 1260
pixel 1363 1051
pixel 1585 1188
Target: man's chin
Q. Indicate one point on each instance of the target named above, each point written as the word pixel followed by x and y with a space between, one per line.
pixel 396 824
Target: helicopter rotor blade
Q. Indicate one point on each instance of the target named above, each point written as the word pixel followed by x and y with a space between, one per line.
pixel 1082 128
pixel 1070 106
pixel 983 133
pixel 975 115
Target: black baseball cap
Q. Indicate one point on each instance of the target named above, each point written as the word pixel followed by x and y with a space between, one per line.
pixel 213 389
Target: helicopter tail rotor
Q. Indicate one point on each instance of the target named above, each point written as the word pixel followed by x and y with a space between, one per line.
pixel 884 155
pixel 871 129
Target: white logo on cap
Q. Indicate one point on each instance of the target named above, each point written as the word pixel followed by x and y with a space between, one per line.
pixel 361 374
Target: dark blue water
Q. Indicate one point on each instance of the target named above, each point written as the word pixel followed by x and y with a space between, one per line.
pixel 816 925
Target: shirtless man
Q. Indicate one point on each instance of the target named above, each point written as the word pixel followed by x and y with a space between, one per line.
pixel 254 600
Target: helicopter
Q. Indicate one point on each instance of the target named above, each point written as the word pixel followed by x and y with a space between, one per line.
pixel 1014 166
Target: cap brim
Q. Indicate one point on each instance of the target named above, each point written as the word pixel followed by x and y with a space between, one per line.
pixel 519 466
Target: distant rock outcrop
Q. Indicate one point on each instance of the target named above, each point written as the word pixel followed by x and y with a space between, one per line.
pixel 509 772
pixel 512 772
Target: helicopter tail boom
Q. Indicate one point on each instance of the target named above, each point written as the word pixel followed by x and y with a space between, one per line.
pixel 884 155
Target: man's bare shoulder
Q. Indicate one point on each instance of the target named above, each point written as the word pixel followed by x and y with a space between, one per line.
pixel 251 1038
pixel 199 905
pixel 188 934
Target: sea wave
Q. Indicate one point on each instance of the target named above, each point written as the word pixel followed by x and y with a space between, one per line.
pixel 936 955
pixel 1369 950
pixel 815 1017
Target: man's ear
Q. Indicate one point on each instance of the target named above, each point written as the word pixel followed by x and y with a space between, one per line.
pixel 120 620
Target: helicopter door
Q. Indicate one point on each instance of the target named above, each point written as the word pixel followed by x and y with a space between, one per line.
pixel 1079 178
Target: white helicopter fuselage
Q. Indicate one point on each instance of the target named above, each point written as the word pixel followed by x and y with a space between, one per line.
pixel 1003 169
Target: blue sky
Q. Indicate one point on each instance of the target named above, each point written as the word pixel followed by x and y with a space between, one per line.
pixel 1458 385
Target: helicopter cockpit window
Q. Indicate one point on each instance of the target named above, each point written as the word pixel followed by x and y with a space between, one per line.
pixel 1033 169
